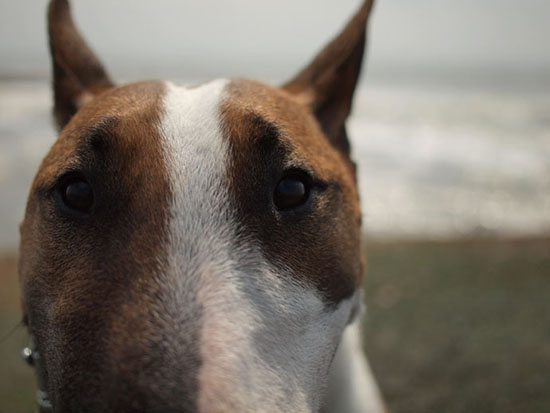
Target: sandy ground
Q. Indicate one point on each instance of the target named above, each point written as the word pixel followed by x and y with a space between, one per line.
pixel 451 327
pixel 461 327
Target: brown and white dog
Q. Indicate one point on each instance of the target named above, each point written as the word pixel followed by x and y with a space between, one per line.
pixel 197 249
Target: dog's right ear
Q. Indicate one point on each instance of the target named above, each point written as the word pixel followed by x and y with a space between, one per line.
pixel 328 83
pixel 78 75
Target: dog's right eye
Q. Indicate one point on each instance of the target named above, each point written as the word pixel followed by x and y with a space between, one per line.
pixel 291 192
pixel 77 194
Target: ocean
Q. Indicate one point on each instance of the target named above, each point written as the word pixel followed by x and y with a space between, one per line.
pixel 433 161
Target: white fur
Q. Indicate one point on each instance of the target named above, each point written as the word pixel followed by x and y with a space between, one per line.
pixel 266 340
pixel 352 387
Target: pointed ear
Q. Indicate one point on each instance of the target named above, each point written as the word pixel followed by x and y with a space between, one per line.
pixel 78 75
pixel 327 84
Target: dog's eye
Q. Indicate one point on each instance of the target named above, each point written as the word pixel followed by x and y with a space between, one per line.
pixel 77 194
pixel 292 191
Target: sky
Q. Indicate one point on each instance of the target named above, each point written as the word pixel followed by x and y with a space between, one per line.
pixel 259 39
pixel 469 154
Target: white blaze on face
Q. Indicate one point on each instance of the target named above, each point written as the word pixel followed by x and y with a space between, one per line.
pixel 265 340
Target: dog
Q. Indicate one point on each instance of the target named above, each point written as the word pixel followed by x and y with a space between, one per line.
pixel 197 249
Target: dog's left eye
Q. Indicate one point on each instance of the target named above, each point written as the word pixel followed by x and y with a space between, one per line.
pixel 77 194
pixel 292 191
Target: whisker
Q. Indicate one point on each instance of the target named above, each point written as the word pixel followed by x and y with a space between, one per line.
pixel 11 331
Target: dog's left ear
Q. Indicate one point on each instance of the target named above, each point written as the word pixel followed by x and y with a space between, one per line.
pixel 327 84
pixel 78 75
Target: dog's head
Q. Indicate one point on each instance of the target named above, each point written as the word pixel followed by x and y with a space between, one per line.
pixel 193 248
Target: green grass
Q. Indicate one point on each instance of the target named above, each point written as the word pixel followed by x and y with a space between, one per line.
pixel 450 327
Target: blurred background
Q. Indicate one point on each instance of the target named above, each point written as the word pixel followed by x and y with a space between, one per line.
pixel 451 132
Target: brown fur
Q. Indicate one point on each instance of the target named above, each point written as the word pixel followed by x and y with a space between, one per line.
pixel 270 132
pixel 89 285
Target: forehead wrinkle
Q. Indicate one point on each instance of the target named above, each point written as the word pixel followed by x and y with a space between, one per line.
pixel 300 140
pixel 98 136
pixel 274 140
pixel 264 133
pixel 262 124
pixel 89 141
